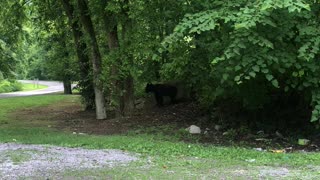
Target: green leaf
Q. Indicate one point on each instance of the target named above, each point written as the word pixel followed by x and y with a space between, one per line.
pixel 265 6
pixel 281 70
pixel 155 57
pixel 265 71
pixel 275 83
pixel 295 74
pixel 229 55
pixel 286 89
pixel 252 74
pixel 225 76
pixel 241 25
pixel 237 68
pixel 260 62
pixel 244 63
pixel 241 45
pixel 298 66
pixel 301 73
pixel 256 68
pixel 239 82
pixel 306 84
pixel 236 51
pixel 237 78
pixel 269 77
pixel 314 119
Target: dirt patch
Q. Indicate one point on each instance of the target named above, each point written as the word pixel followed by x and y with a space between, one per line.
pixel 69 116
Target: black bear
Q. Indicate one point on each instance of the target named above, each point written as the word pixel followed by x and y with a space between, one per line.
pixel 161 90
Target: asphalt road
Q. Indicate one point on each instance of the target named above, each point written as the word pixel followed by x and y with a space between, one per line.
pixel 53 87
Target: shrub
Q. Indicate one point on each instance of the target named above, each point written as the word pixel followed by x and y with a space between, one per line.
pixel 10 86
pixel 258 54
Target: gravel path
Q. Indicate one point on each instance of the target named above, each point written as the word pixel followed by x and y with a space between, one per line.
pixel 19 161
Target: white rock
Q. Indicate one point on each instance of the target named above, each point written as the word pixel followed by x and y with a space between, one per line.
pixel 279 134
pixel 260 132
pixel 193 129
pixel 250 160
pixel 225 133
pixel 217 127
pixel 206 131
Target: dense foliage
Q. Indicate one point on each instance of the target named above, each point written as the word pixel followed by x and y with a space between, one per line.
pixel 258 51
pixel 11 17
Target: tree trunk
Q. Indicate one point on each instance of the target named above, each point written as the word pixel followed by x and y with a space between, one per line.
pixel 85 83
pixel 96 59
pixel 115 89
pixel 128 96
pixel 67 87
pixel 128 82
pixel 122 90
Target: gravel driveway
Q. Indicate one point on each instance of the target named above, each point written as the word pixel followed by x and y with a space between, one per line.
pixel 19 161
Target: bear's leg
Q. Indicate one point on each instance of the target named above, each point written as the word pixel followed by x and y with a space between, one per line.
pixel 173 99
pixel 159 99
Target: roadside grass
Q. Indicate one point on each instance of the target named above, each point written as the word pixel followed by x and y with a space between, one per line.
pixel 30 86
pixel 160 156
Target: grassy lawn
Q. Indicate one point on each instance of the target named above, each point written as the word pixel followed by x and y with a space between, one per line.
pixel 30 87
pixel 160 156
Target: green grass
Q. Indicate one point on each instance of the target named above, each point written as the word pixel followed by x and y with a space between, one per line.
pixel 8 105
pixel 30 87
pixel 160 156
pixel 146 144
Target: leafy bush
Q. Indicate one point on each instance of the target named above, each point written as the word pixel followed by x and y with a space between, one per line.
pixel 256 52
pixel 10 86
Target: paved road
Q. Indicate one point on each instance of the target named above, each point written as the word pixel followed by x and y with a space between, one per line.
pixel 53 86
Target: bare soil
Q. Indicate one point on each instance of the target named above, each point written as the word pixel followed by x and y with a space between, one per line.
pixel 69 116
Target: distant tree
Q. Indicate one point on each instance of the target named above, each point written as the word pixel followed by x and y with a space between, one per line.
pixel 53 59
pixel 11 18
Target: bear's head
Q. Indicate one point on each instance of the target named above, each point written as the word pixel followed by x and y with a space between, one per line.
pixel 149 88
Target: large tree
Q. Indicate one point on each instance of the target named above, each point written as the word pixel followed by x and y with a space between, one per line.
pixel 85 82
pixel 95 58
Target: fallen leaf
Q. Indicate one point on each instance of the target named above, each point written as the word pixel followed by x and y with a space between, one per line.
pixel 278 150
